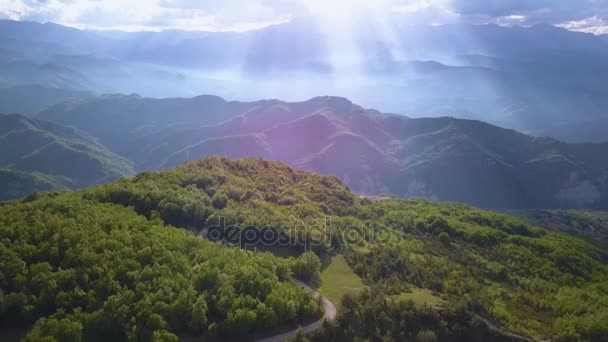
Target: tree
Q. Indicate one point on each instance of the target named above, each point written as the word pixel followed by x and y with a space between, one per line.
pixel 198 321
pixel 50 329
pixel 299 336
pixel 163 336
pixel 219 200
pixel 444 237
pixel 239 322
pixel 426 336
pixel 307 267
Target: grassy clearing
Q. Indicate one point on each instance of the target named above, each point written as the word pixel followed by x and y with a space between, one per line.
pixel 421 297
pixel 337 279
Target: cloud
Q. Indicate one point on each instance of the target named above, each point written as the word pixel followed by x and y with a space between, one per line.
pixel 232 15
pixel 593 24
pixel 497 8
pixel 582 15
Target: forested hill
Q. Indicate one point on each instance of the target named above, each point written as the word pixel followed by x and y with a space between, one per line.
pixel 122 261
pixel 373 153
pixel 40 155
pixel 16 184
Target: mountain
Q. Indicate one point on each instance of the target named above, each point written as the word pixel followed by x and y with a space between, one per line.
pixel 373 153
pixel 516 77
pixel 138 116
pixel 31 99
pixel 578 132
pixel 38 155
pixel 16 184
pixel 126 252
pixel 592 225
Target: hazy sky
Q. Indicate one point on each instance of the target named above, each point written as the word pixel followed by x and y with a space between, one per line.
pixel 583 15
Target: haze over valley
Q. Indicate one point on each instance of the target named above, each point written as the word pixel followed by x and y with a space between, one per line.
pixel 535 79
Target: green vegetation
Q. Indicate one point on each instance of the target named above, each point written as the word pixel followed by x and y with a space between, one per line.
pixel 250 192
pixel 337 279
pixel 372 316
pixel 113 249
pixel 16 184
pixel 420 297
pixel 494 265
pixel 589 224
pixel 39 155
pixel 82 270
pixel 307 267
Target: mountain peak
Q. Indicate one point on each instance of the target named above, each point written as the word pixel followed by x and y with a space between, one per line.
pixel 339 105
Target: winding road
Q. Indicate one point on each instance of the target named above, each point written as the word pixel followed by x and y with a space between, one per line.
pixel 330 315
pixel 496 329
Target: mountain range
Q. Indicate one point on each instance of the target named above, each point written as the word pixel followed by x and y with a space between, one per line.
pixel 526 78
pixel 448 79
pixel 444 159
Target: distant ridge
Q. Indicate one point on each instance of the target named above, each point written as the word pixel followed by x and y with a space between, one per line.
pixel 40 155
pixel 444 158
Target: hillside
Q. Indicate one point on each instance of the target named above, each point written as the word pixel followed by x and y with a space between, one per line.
pixel 16 184
pixel 115 256
pixel 31 99
pixel 83 270
pixel 373 153
pixel 38 155
pixel 577 132
pixel 588 224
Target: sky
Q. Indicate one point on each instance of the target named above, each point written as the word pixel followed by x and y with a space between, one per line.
pixel 242 15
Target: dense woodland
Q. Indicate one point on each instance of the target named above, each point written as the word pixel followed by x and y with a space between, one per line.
pixel 592 225
pixel 372 316
pixel 122 261
pixel 83 270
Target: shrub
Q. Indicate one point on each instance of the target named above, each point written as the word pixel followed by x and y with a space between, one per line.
pixel 444 237
pixel 219 200
pixel 426 336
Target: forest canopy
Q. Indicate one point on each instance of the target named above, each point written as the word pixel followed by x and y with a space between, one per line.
pixel 122 260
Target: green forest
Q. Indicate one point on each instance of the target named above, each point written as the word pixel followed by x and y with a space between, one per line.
pixel 122 261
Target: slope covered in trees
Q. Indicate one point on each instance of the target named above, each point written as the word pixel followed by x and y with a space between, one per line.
pixel 373 153
pixel 16 184
pixel 77 269
pixel 75 257
pixel 589 224
pixel 39 155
